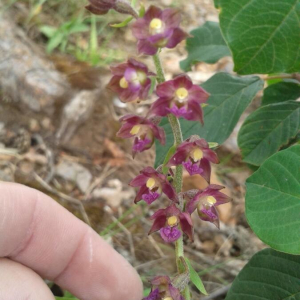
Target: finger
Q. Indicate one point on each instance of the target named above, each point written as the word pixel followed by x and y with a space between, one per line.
pixel 18 282
pixel 42 235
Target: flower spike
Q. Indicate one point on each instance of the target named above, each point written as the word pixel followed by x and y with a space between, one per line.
pixel 152 184
pixel 181 98
pixel 157 29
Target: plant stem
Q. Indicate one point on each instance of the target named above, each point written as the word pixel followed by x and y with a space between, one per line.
pixel 283 76
pixel 178 139
pixel 159 70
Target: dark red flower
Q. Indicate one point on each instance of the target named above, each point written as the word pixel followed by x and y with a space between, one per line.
pixel 157 29
pixel 130 80
pixel 205 201
pixel 195 155
pixel 101 7
pixel 180 97
pixel 167 221
pixel 162 289
pixel 143 130
pixel 152 184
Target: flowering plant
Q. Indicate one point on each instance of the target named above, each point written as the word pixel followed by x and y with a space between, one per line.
pixel 176 98
pixel 208 114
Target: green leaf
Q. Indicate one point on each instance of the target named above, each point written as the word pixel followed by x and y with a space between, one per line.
pixel 54 42
pixel 267 129
pixel 263 35
pixel 273 201
pixel 48 31
pixel 280 92
pixel 230 96
pixel 217 3
pixel 123 24
pixel 170 153
pixel 79 28
pixel 146 292
pixel 207 45
pixel 213 145
pixel 142 10
pixel 269 275
pixel 195 278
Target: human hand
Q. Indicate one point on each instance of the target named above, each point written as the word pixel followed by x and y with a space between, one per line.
pixel 39 238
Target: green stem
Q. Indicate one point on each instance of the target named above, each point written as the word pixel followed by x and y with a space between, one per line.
pixel 178 139
pixel 160 76
pixel 175 125
pixel 283 76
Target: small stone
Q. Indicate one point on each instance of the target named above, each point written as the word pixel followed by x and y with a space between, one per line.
pixel 7 175
pixel 46 123
pixel 113 194
pixel 76 173
pixel 34 125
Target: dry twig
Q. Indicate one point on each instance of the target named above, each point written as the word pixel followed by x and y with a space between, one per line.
pixel 125 230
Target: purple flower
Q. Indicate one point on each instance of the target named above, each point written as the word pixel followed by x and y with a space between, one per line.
pixel 162 289
pixel 101 7
pixel 143 130
pixel 181 98
pixel 152 184
pixel 167 221
pixel 157 29
pixel 205 201
pixel 130 80
pixel 195 155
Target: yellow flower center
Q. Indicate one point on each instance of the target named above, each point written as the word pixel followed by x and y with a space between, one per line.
pixel 211 200
pixel 150 183
pixel 142 76
pixel 123 83
pixel 172 221
pixel 135 129
pixel 168 298
pixel 197 154
pixel 182 93
pixel 156 24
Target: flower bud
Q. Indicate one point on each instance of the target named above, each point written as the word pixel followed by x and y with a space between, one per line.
pixel 101 7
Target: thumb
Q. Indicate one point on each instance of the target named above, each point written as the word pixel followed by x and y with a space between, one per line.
pixel 18 282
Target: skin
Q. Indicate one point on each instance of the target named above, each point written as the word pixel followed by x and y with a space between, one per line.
pixel 40 239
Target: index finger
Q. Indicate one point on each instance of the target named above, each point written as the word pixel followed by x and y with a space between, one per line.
pixel 42 235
